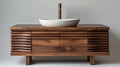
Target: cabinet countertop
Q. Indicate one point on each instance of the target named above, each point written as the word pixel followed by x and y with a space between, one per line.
pixel 79 27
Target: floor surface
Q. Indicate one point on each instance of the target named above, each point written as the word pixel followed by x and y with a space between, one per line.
pixel 14 61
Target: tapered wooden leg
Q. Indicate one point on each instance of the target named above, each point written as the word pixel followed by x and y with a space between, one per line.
pixel 92 60
pixel 28 60
pixel 88 58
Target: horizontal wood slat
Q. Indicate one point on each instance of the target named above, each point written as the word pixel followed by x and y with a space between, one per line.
pixel 97 43
pixel 19 45
pixel 21 35
pixel 21 48
pixel 21 42
pixel 16 32
pixel 100 50
pixel 25 51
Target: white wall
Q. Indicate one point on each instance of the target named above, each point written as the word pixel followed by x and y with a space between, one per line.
pixel 105 12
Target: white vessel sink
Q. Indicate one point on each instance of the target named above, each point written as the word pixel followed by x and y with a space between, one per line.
pixel 59 22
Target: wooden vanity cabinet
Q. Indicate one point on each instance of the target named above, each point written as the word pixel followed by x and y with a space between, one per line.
pixel 83 40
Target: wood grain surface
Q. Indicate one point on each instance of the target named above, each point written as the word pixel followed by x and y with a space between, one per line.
pixel 83 40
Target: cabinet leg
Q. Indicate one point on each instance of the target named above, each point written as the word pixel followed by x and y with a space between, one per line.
pixel 28 60
pixel 91 60
pixel 88 58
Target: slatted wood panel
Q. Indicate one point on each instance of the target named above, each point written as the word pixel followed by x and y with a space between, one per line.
pixel 98 42
pixel 21 41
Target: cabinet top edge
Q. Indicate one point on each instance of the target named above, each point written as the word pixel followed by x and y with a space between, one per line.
pixel 32 27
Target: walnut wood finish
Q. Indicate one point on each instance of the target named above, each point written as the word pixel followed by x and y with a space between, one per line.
pixel 80 27
pixel 98 43
pixel 91 60
pixel 83 40
pixel 73 44
pixel 21 41
pixel 61 54
pixel 28 60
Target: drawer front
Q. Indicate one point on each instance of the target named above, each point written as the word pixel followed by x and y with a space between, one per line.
pixel 49 45
pixel 73 44
pixel 45 42
pixel 21 41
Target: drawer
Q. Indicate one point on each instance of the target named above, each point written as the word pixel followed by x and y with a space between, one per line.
pixel 45 44
pixel 73 44
pixel 45 34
